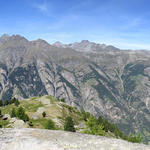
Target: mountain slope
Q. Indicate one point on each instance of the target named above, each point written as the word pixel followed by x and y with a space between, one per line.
pixel 103 80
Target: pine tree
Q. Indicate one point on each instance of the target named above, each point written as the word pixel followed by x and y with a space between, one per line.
pixel 1 114
pixel 25 118
pixel 69 125
pixel 1 103
pixel 6 102
pixel 100 120
pixel 44 114
pixel 13 100
pixel 17 102
pixel 13 113
pixel 85 115
pixel 20 113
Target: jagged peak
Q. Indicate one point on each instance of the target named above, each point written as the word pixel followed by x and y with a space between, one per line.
pixel 18 37
pixel 85 41
pixel 57 42
pixel 13 37
pixel 40 42
pixel 4 36
pixel 60 45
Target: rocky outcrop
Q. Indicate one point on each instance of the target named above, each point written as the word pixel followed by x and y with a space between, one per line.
pixel 38 114
pixel 36 139
pixel 19 124
pixel 6 117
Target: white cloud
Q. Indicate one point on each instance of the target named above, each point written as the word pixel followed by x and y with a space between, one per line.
pixel 43 7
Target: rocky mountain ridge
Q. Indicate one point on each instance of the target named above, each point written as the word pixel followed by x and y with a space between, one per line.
pixel 106 81
pixel 86 46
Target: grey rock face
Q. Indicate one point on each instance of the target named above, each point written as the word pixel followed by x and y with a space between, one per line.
pixel 35 139
pixel 101 79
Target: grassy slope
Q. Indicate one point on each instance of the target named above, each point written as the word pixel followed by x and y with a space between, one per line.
pixel 55 110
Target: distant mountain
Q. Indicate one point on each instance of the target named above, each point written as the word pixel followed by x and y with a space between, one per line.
pixel 86 46
pixel 99 78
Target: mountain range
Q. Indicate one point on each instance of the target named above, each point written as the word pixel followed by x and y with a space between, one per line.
pixel 98 78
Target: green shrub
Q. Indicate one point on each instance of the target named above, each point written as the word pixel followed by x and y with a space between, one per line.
pixel 91 122
pixel 85 115
pixel 93 127
pixel 69 124
pixel 70 108
pixel 50 125
pixel 100 120
pixel 62 99
pixel 100 130
pixel 135 138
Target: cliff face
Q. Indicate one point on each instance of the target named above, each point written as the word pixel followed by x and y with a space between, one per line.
pixel 102 79
pixel 36 139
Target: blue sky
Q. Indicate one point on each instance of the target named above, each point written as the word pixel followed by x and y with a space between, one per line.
pixel 122 23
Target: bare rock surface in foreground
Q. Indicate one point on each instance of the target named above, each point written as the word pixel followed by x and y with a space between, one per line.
pixel 36 139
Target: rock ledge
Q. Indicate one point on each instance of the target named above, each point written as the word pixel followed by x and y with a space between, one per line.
pixel 37 139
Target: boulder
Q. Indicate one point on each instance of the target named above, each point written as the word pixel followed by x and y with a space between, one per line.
pixel 44 101
pixel 6 117
pixel 40 110
pixel 36 116
pixel 19 124
pixel 12 120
